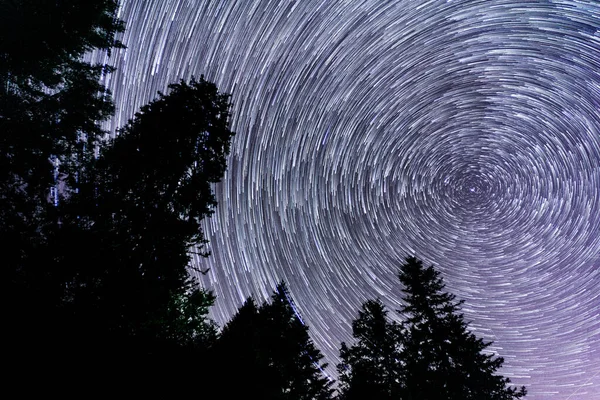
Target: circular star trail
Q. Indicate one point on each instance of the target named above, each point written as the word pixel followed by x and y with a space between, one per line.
pixel 466 133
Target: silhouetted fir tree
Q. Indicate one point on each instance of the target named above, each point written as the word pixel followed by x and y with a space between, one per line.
pixel 51 107
pixel 136 215
pixel 40 39
pixel 370 368
pixel 102 274
pixel 290 349
pixel 51 102
pixel 442 358
pixel 237 354
pixel 162 164
pixel 270 354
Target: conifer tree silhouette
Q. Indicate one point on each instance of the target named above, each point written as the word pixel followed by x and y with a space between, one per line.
pixel 441 358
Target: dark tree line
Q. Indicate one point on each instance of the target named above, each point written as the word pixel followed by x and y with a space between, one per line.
pixel 96 237
pixel 51 107
pixel 430 355
pixel 269 351
pixel 96 234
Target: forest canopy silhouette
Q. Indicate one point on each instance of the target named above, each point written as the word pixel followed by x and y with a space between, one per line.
pixel 97 235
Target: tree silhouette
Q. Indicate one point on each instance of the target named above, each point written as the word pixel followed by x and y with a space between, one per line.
pixel 134 217
pixel 442 359
pixel 51 101
pixel 239 353
pixel 96 249
pixel 291 349
pixel 41 39
pixel 370 368
pixel 51 107
pixel 270 353
pixel 167 157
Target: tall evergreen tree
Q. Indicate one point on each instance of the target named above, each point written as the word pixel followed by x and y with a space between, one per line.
pixel 442 358
pixel 96 250
pixel 370 368
pixel 51 101
pixel 136 215
pixel 291 350
pixel 270 353
pixel 239 353
pixel 51 106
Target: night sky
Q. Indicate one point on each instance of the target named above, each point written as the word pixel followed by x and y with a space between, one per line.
pixel 466 133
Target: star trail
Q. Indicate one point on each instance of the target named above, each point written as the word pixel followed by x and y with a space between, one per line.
pixel 466 133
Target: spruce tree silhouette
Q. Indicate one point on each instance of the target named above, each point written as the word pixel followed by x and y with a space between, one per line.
pixel 270 354
pixel 51 108
pixel 441 358
pixel 135 217
pixel 370 368
pixel 51 102
pixel 95 250
pixel 238 353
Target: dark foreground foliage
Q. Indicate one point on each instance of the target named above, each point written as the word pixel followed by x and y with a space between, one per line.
pixel 270 353
pixel 431 355
pixel 96 238
pixel 96 234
